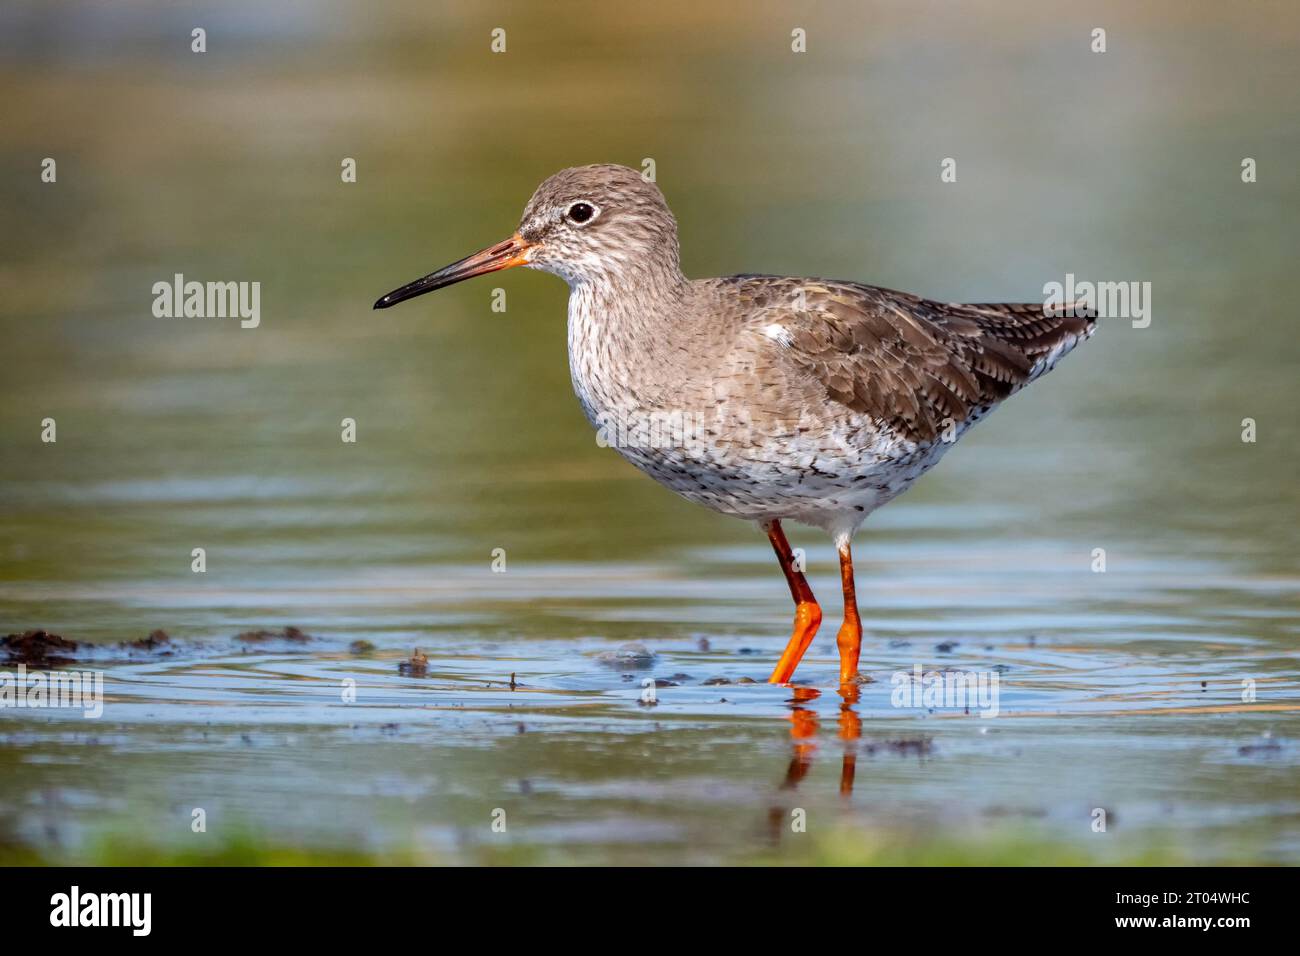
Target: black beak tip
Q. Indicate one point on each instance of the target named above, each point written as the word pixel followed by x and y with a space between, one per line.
pixel 383 303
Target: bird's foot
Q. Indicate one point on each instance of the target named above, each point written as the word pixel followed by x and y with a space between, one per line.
pixel 849 641
pixel 807 618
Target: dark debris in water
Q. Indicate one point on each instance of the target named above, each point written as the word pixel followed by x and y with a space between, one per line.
pixel 416 666
pixel 361 647
pixel 39 648
pixel 1266 747
pixel 290 634
pixel 910 746
pixel 156 639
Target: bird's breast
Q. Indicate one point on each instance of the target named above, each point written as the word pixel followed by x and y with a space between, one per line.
pixel 607 369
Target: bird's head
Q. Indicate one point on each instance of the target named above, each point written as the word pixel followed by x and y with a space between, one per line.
pixel 586 224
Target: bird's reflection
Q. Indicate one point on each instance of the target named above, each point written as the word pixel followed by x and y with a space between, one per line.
pixel 850 730
pixel 803 731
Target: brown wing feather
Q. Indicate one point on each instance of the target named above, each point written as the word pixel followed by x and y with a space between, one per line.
pixel 910 362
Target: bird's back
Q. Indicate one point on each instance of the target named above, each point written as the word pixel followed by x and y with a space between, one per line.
pixel 911 364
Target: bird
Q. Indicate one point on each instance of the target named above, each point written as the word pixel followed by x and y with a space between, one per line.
pixel 768 398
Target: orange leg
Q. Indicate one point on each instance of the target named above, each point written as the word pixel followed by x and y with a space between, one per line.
pixel 850 636
pixel 807 613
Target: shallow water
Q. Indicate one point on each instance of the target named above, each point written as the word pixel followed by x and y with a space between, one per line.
pixel 1120 689
pixel 1113 693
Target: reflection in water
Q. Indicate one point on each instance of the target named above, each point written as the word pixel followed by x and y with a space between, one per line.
pixel 803 730
pixel 850 730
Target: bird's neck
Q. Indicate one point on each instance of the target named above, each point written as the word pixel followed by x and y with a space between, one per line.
pixel 616 329
pixel 634 309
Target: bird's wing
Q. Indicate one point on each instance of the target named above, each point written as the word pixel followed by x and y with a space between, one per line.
pixel 909 362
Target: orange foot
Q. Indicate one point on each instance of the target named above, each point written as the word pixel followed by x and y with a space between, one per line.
pixel 807 614
pixel 807 618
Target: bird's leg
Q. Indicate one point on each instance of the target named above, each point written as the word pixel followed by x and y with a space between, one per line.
pixel 850 636
pixel 807 614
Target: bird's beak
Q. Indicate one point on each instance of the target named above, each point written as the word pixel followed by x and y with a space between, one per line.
pixel 504 255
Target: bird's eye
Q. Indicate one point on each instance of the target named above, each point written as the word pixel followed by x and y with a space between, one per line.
pixel 581 211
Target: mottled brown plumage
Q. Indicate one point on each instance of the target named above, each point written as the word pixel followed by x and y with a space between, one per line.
pixel 908 362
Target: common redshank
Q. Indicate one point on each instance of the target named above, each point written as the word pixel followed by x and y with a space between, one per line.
pixel 763 397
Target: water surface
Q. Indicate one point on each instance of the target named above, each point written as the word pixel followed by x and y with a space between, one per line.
pixel 1121 690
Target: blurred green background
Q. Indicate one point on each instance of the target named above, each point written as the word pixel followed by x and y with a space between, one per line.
pixel 225 165
pixel 183 433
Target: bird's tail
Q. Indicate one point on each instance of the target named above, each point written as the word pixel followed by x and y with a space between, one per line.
pixel 1043 334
